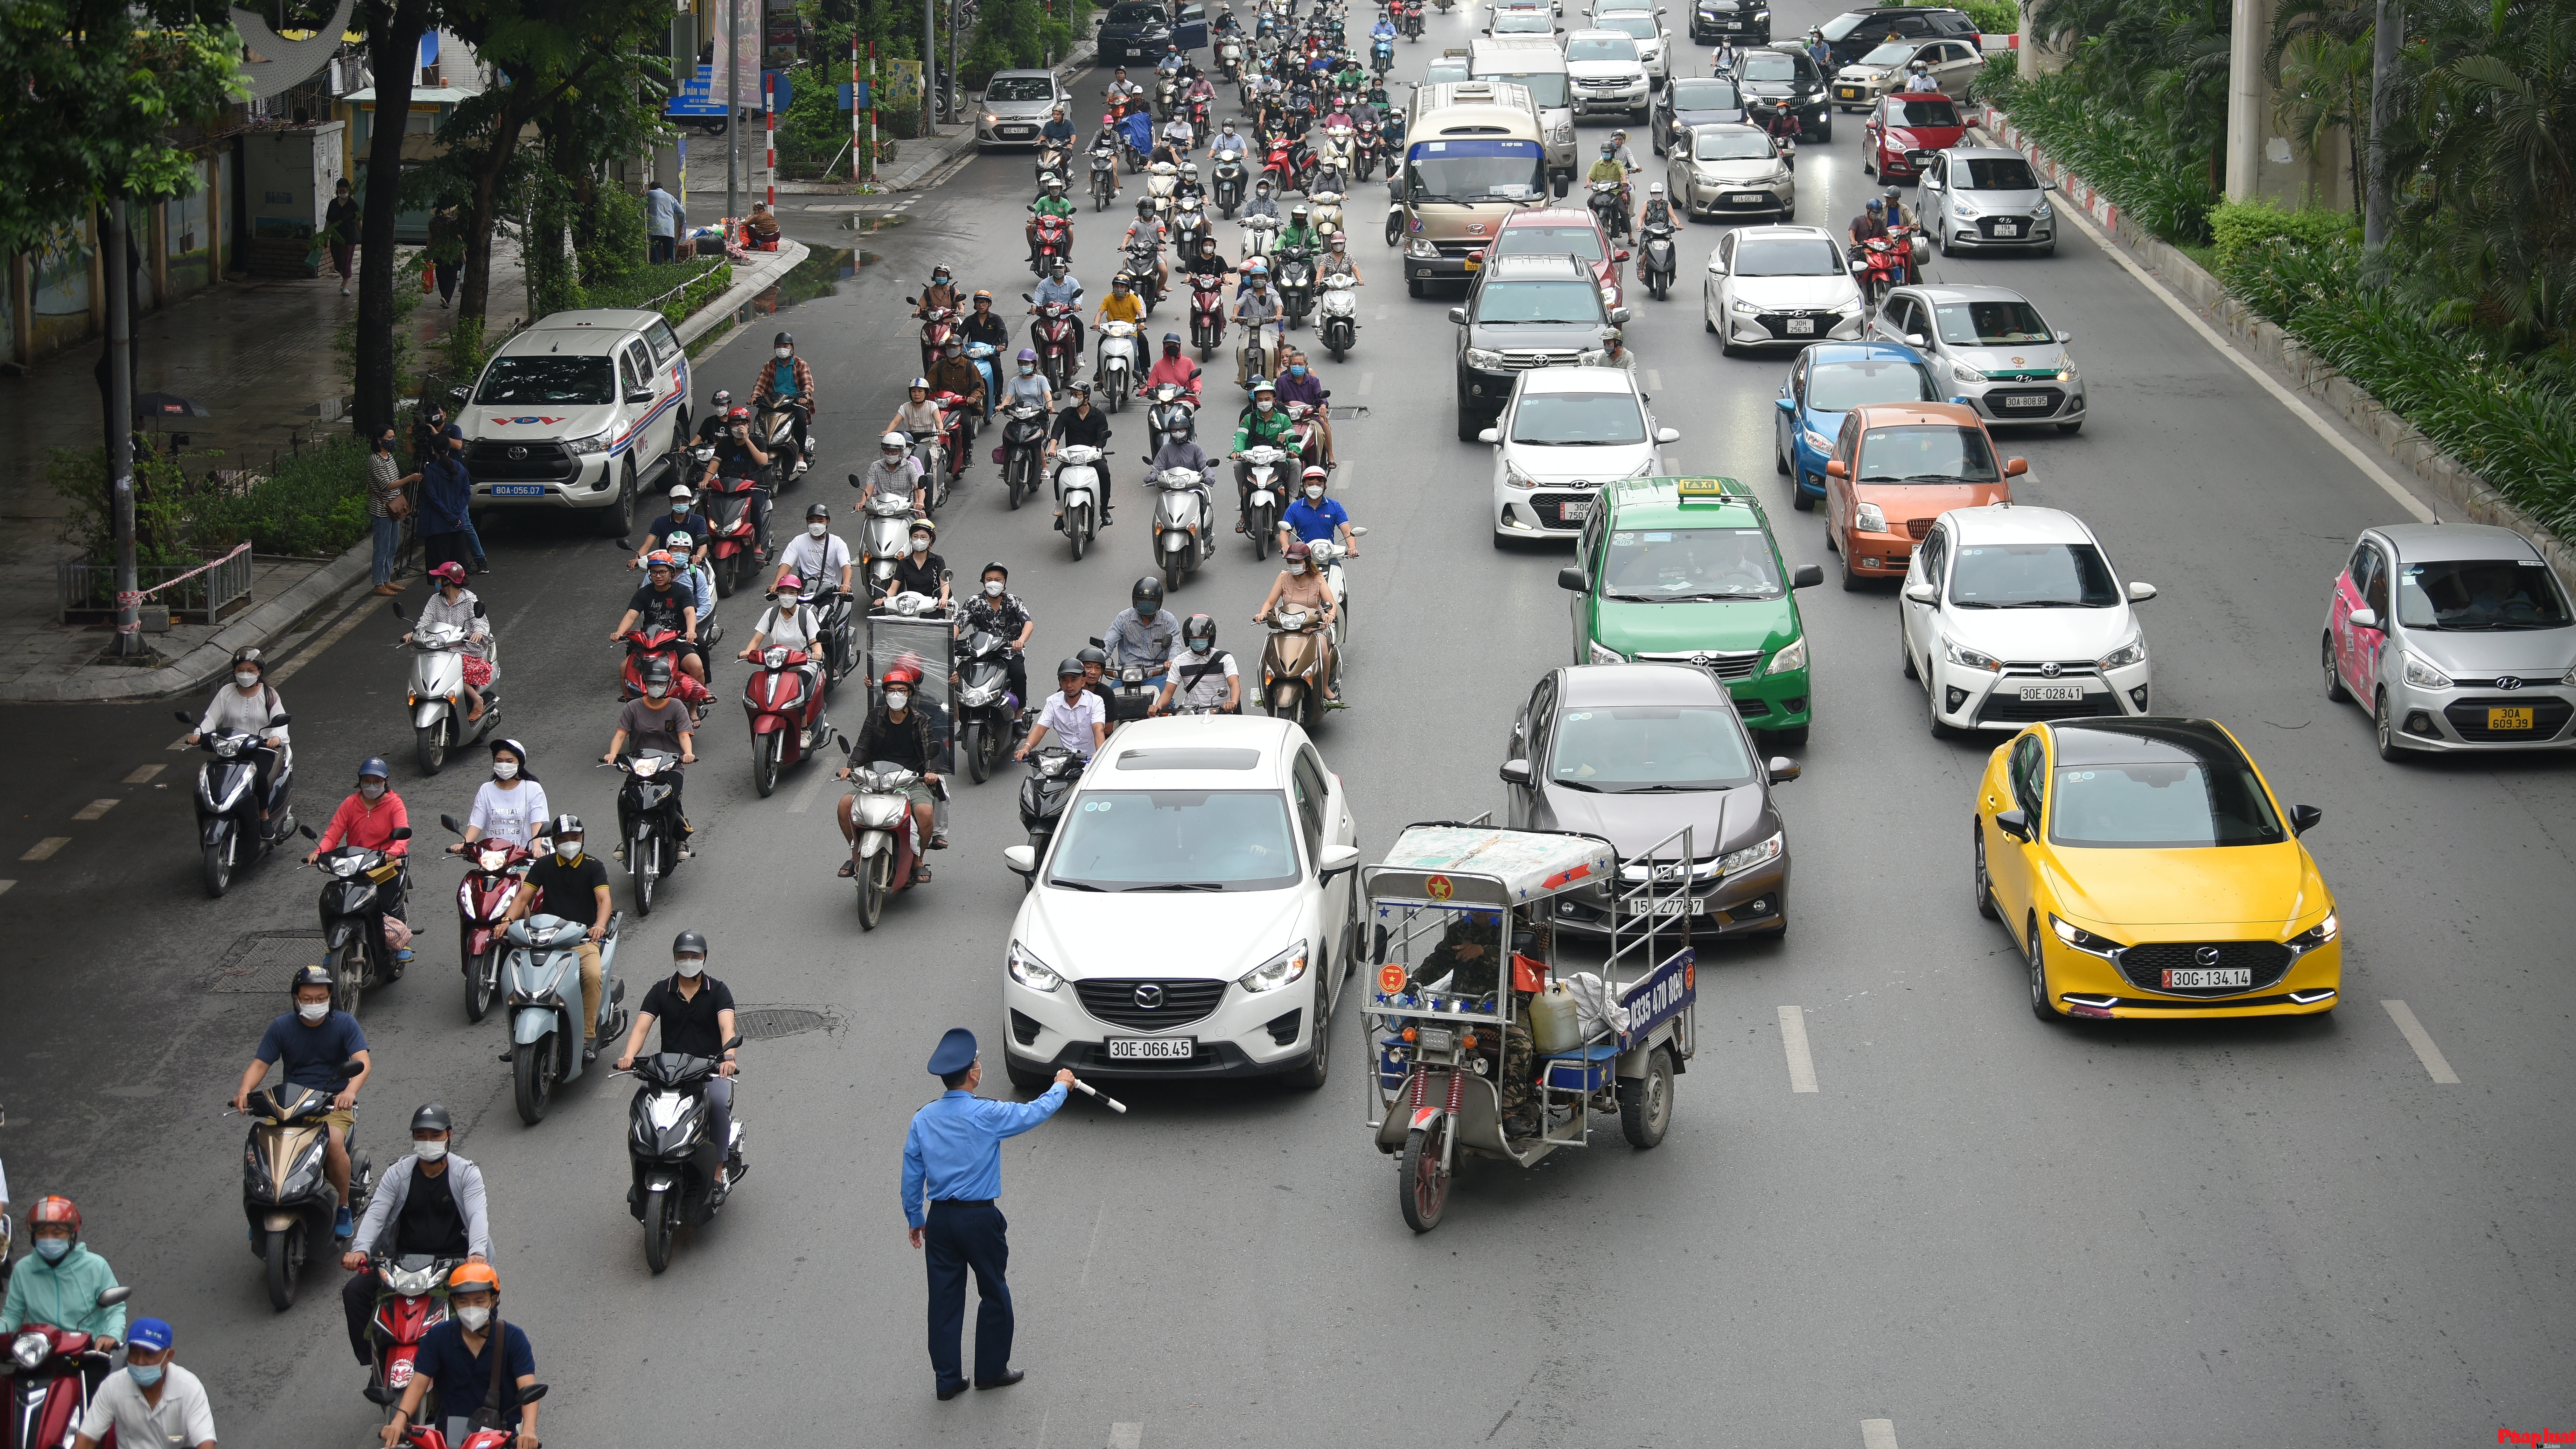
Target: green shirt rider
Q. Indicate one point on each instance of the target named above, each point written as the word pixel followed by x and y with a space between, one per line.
pixel 1300 234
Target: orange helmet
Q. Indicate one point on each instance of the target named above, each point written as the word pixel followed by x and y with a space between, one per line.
pixel 50 1211
pixel 473 1278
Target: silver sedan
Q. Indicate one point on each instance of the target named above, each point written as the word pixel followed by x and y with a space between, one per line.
pixel 1732 170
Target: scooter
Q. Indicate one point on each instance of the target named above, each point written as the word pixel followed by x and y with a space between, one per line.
pixel 457 1433
pixel 1113 363
pixel 1054 337
pixel 882 850
pixel 1207 313
pixel 230 832
pixel 988 366
pixel 1609 208
pixel 1226 185
pixel 1053 772
pixel 1327 555
pixel 1144 254
pixel 885 537
pixel 494 871
pixel 1413 19
pixel 1189 223
pixel 936 325
pixel 1324 209
pixel 1656 259
pixel 286 1195
pixel 53 1372
pixel 778 420
pixel 733 553
pixel 1337 320
pixel 785 709
pixel 1262 463
pixel 1382 55
pixel 1293 273
pixel 643 646
pixel 545 1002
pixel 1260 234
pixel 678 1173
pixel 1181 538
pixel 1292 684
pixel 1077 486
pixel 953 446
pixel 986 711
pixel 437 693
pixel 411 1298
pixel 1261 349
pixel 1167 409
pixel 838 631
pixel 1161 180
pixel 1129 690
pixel 363 886
pixel 651 820
pixel 1055 239
pixel 1024 433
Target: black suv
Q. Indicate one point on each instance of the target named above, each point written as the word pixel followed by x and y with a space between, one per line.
pixel 1747 22
pixel 1785 74
pixel 1139 30
pixel 1526 311
pixel 1856 33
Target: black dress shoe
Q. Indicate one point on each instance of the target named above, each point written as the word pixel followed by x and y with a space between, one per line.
pixel 950 1391
pixel 1007 1379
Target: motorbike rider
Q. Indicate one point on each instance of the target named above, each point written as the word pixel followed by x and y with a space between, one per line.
pixel 459 1351
pixel 1201 675
pixel 1262 202
pixel 310 1044
pixel 655 722
pixel 1608 168
pixel 1658 210
pixel 1338 262
pixel 1177 137
pixel 662 604
pixel 740 454
pixel 428 1203
pixel 1263 422
pixel 1314 517
pixel 698 1017
pixel 1301 585
pixel 896 473
pixel 954 374
pixel 1121 305
pixel 1057 133
pixel 996 610
pixel 571 883
pixel 917 415
pixel 1895 203
pixel 1144 633
pixel 450 602
pixel 1614 350
pixel 1078 717
pixel 711 428
pixel 1920 81
pixel 60 1281
pixel 1226 144
pixel 1870 224
pixel 787 378
pixel 899 734
pixel 1299 384
pixel 1085 424
pixel 1181 450
pixel 1383 30
pixel 1259 306
pixel 511 806
pixel 368 819
pixel 1052 203
pixel 984 327
pixel 1121 89
pixel 1173 368
pixel 818 556
pixel 1109 138
pixel 1026 386
pixel 246 707
pixel 1819 51
pixel 1725 58
pixel 1300 231
pixel 154 1401
pixel 921 571
pixel 941 292
pixel 1059 285
pixel 1147 228
pixel 1780 119
pixel 1136 133
pixel 683 518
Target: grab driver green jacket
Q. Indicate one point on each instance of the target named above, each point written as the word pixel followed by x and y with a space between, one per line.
pixel 1259 427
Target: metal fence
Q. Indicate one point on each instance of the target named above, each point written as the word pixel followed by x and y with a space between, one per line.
pixel 199 593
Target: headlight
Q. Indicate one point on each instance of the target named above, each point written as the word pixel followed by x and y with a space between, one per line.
pixel 2066 373
pixel 1816 440
pixel 1750 856
pixel 1513 477
pixel 2316 935
pixel 2133 652
pixel 1420 249
pixel 595 443
pixel 1792 657
pixel 2569 677
pixel 1852 307
pixel 1743 308
pixel 1962 212
pixel 990 118
pixel 2421 673
pixel 29 1350
pixel 1563 135
pixel 1870 518
pixel 1029 971
pixel 2084 940
pixel 1281 970
pixel 1484 360
pixel 1967 658
pixel 1604 655
pixel 973 696
pixel 1964 373
pixel 2042 212
pixel 1645 467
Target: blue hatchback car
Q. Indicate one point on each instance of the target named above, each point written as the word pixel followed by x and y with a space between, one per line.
pixel 1827 381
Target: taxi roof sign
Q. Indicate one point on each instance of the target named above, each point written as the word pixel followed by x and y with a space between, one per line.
pixel 1708 490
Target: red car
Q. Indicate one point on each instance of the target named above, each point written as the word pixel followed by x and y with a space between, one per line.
pixel 1558 231
pixel 1903 131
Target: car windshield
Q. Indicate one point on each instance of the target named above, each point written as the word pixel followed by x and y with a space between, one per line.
pixel 1789 256
pixel 1135 14
pixel 1582 241
pixel 1524 22
pixel 1933 114
pixel 1634 23
pixel 2475 595
pixel 1992 173
pixel 1578 419
pixel 2032 576
pixel 1766 65
pixel 1601 47
pixel 1895 52
pixel 1704 95
pixel 1618 749
pixel 1546 87
pixel 1145 840
pixel 1845 23
pixel 1731 143
pixel 1838 387
pixel 1926 453
pixel 2177 803
pixel 551 378
pixel 1558 302
pixel 1466 172
pixel 1443 73
pixel 1666 564
pixel 1018 88
pixel 1990 324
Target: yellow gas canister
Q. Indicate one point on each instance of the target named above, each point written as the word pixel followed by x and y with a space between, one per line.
pixel 1555 1026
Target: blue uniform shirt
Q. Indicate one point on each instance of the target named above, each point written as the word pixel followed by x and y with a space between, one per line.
pixel 313 1054
pixel 1315 521
pixel 955 1147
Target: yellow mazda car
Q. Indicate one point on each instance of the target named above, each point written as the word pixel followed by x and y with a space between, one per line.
pixel 2147 871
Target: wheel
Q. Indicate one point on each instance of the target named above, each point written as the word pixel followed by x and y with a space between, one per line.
pixel 1468 426
pixel 1265 527
pixel 764 763
pixel 2383 733
pixel 532 1086
pixel 874 880
pixel 350 971
pixel 1780 450
pixel 1646 1103
pixel 2039 1003
pixel 1707 322
pixel 285 1265
pixel 1319 1064
pixel 1981 884
pixel 1172 573
pixel 1422 1185
pixel 1077 529
pixel 1825 127
pixel 641 868
pixel 1932 714
pixel 482 982
pixel 1013 474
pixel 618 519
pixel 218 865
pixel 2071 429
pixel 2334 677
pixel 728 572
pixel 1800 500
pixel 971 742
pixel 661 1221
pixel 429 746
pixel 1851 580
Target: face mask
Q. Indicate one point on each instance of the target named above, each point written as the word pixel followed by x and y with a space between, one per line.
pixel 567 850
pixel 505 770
pixel 896 699
pixel 920 544
pixel 1026 368
pixel 372 792
pixel 992 588
pixel 1201 650
pixel 474 1318
pixel 247 678
pixel 52 1249
pixel 1296 568
pixel 1265 405
pixel 145 1374
pixel 429 1151
pixel 657 691
pixel 689 966
pixel 312 1010
pixel 817 530
pixel 786 352
pixel 1314 493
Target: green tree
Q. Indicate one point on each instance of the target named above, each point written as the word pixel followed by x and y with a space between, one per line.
pixel 394 29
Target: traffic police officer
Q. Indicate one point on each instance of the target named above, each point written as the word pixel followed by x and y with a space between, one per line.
pixel 953 1156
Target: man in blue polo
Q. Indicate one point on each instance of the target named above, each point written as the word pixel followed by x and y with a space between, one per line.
pixel 953 1157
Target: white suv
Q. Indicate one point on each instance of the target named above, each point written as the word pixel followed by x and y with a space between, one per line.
pixel 579 411
pixel 1607 73
pixel 2012 615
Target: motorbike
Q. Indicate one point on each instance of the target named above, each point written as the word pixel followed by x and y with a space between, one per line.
pixel 1167 92
pixel 1161 180
pixel 785 710
pixel 643 646
pixel 53 1372
pixel 1144 254
pixel 1324 208
pixel 494 870
pixel 1338 321
pixel 1054 338
pixel 545 998
pixel 837 632
pixel 1053 772
pixel 411 1298
pixel 1104 178
pixel 1279 164
pixel 651 820
pixel 230 832
pixel 1207 313
pixel 987 712
pixel 1077 484
pixel 363 886
pixel 778 421
pixel 1261 349
pixel 1656 261
pixel 1294 275
pixel 1327 556
pixel 1264 468
pixel 1024 433
pixel 1053 158
pixel 882 849
pixel 1189 223
pixel 1169 407
pixel 1226 182
pixel 733 553
pixel 286 1196
pixel 1413 19
pixel 458 1432
pixel 1885 262
pixel 988 366
pixel 678 1174
pixel 1382 55
pixel 1609 208
pixel 437 693
pixel 1260 234
pixel 950 455
pixel 1181 538
pixel 885 538
pixel 1229 59
pixel 1055 239
pixel 1113 363
pixel 937 325
pixel 1292 663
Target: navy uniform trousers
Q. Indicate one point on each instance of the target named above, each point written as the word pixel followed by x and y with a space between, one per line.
pixel 962 1235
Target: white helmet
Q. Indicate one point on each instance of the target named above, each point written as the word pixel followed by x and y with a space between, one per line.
pixel 894 440
pixel 1655 190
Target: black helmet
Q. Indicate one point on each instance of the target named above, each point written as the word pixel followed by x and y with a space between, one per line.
pixel 1199 627
pixel 1144 206
pixel 783 339
pixel 1147 596
pixel 1091 654
pixel 996 567
pixel 1069 669
pixel 722 400
pixel 432 1118
pixel 658 672
pixel 688 941
pixel 308 976
pixel 1183 428
pixel 818 510
pixel 563 825
pixel 250 656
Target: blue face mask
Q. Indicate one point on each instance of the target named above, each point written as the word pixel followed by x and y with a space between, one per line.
pixel 1298 371
pixel 145 1374
pixel 52 1249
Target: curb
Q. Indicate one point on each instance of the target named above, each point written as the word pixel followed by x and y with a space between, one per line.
pixel 317 590
pixel 2402 443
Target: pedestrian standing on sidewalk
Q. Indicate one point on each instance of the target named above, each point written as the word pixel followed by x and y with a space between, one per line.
pixel 665 221
pixel 340 228
pixel 446 496
pixel 387 505
pixel 446 252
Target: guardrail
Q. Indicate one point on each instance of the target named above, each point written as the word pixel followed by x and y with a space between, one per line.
pixel 207 593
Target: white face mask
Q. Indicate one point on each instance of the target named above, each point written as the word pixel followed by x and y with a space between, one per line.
pixel 372 792
pixel 474 1317
pixel 786 352
pixel 312 1010
pixel 1027 368
pixel 992 588
pixel 657 691
pixel 567 850
pixel 1314 492
pixel 505 769
pixel 817 530
pixel 896 699
pixel 920 543
pixel 247 678
pixel 689 966
pixel 1296 568
pixel 429 1151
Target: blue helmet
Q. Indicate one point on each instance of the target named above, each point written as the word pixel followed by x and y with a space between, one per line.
pixel 374 765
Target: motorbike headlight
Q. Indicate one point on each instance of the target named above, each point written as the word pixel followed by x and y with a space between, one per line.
pixel 29 1350
pixel 1484 360
pixel 1816 440
pixel 2133 652
pixel 1761 853
pixel 595 443
pixel 1964 373
pixel 1967 658
pixel 1794 656
pixel 2316 935
pixel 973 696
pixel 2084 940
pixel 1603 654
pixel 346 866
pixel 493 859
pixel 1283 969
pixel 1870 518
pixel 2421 673
pixel 1029 971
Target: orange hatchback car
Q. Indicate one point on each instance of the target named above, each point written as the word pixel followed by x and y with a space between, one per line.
pixel 1915 462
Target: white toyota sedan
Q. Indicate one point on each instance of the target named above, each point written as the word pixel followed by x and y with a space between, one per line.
pixel 2012 615
pixel 1240 851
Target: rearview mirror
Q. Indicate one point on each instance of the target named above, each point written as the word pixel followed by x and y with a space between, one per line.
pixel 351 1069
pixel 640 395
pixel 307 832
pixel 2015 824
pixel 1335 860
pixel 731 1045
pixel 1922 594
pixel 1668 435
pixel 1806 576
pixel 2015 467
pixel 1783 769
pixel 2065 336
pixel 1516 772
pixel 182 717
pixel 452 827
pixel 1618 316
pixel 400 832
pixel 1490 435
pixel 1021 859
pixel 1619 256
pixel 534 1392
pixel 394 607
pixel 1571 580
pixel 2139 593
pixel 1914 339
pixel 2363 619
pixel 2304 818
pixel 1834 468
pixel 1458 315
pixel 110 1297
pixel 1785 404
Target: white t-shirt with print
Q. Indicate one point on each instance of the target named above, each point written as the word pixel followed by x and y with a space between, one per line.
pixel 513 814
pixel 182 1417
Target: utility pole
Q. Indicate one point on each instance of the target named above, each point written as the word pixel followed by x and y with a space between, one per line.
pixel 2387 34
pixel 120 427
pixel 733 112
pixel 929 63
pixel 956 22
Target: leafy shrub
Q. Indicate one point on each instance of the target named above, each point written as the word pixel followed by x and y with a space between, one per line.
pixel 313 505
pixel 676 288
pixel 615 249
pixel 2116 155
pixel 2236 225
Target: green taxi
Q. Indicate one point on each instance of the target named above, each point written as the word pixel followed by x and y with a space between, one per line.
pixel 1684 570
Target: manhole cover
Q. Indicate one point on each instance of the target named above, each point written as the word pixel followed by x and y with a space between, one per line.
pixel 261 963
pixel 760 1023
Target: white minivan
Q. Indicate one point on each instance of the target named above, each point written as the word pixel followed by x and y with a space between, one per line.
pixel 579 411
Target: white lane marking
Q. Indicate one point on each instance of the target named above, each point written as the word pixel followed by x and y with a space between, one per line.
pixel 313 650
pixel 44 849
pixel 4 886
pixel 93 809
pixel 1878 1434
pixel 2288 399
pixel 1655 379
pixel 1793 1039
pixel 143 774
pixel 2422 1041
pixel 1098 1220
pixel 813 787
pixel 181 743
pixel 1126 1436
pixel 1367 380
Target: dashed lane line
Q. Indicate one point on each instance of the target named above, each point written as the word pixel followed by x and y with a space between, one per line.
pixel 93 810
pixel 1126 1436
pixel 1793 1040
pixel 2422 1041
pixel 143 774
pixel 44 849
pixel 5 885
pixel 1878 1434
pixel 315 648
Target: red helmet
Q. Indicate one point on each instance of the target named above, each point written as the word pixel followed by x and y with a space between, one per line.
pixel 1297 552
pixel 739 415
pixel 50 1211
pixel 903 674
